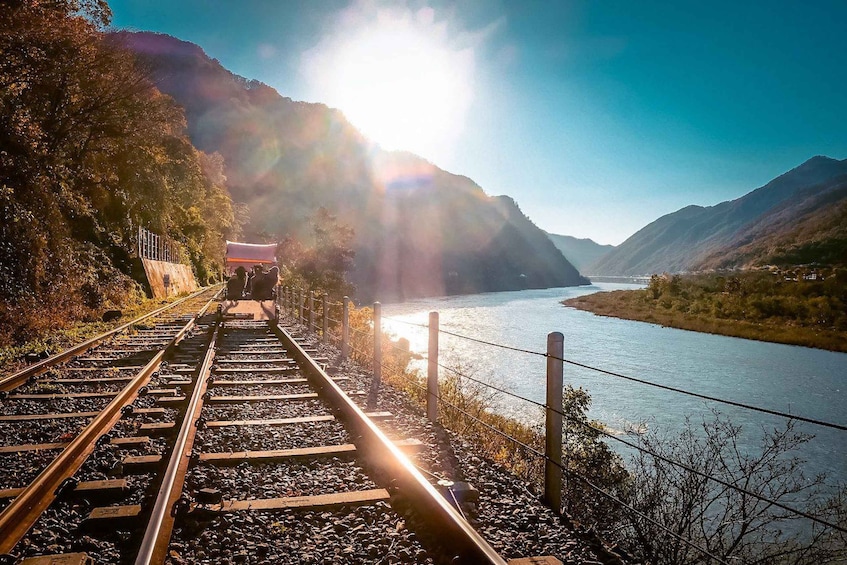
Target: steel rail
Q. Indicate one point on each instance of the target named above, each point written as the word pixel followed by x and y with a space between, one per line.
pixel 25 510
pixel 380 452
pixel 17 379
pixel 157 536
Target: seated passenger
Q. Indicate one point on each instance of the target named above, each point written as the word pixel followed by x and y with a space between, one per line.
pixel 264 283
pixel 253 280
pixel 235 285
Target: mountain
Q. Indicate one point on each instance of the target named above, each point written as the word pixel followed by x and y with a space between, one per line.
pixel 808 228
pixel 697 237
pixel 419 230
pixel 580 252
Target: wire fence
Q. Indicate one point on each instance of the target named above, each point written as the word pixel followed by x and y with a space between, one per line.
pixel 362 339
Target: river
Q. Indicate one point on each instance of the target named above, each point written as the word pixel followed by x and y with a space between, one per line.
pixel 797 380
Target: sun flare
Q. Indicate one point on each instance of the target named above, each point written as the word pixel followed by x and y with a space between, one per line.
pixel 398 79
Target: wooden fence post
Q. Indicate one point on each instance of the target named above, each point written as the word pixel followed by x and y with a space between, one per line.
pixel 432 369
pixel 553 444
pixel 377 356
pixel 345 328
pixel 311 311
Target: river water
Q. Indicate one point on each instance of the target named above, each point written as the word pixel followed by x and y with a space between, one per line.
pixel 797 380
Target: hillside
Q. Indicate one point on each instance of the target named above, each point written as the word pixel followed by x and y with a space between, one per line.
pixel 697 237
pixel 810 228
pixel 419 230
pixel 89 151
pixel 580 252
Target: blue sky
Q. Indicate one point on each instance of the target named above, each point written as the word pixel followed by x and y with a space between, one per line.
pixel 597 116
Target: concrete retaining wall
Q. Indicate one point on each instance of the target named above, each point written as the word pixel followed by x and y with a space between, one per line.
pixel 180 278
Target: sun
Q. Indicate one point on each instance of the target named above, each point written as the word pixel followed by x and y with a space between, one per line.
pixel 399 80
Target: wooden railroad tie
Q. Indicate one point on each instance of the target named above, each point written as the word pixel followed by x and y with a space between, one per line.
pixel 118 441
pixel 162 392
pixel 121 368
pixel 544 560
pixel 157 428
pixel 409 445
pixel 264 371
pixel 32 447
pixel 262 397
pixel 129 351
pixel 316 502
pixel 62 395
pixel 112 517
pixel 179 382
pixel 286 421
pixel 256 352
pixel 278 397
pixel 87 381
pixel 133 441
pixel 62 415
pixel 135 464
pixel 271 361
pixel 251 382
pixel 111 487
pixel 59 559
pixel 170 399
pixel 111 359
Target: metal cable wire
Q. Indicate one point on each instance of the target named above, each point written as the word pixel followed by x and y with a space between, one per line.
pixel 599 489
pixel 813 421
pixel 714 479
pixel 489 385
pixel 492 428
pixel 360 332
pixel 569 472
pixel 393 345
pixel 642 449
pixel 406 378
pixel 661 526
pixel 704 396
pixel 659 456
pixel 493 344
pixel 405 322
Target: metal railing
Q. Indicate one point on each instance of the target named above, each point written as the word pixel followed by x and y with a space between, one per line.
pixel 155 247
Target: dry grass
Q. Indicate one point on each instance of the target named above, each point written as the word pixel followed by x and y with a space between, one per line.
pixel 61 338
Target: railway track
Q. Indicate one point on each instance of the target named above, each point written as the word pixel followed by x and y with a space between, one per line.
pixel 192 437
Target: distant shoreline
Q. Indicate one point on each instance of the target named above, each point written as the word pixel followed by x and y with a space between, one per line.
pixel 619 304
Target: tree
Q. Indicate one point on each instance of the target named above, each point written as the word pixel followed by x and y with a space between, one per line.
pixel 586 455
pixel 321 266
pixel 734 525
pixel 90 150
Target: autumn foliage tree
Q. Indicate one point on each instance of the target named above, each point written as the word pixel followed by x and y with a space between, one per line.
pixel 89 150
pixel 321 263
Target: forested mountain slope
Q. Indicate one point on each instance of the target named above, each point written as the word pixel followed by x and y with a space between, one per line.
pixel 696 237
pixel 580 252
pixel 419 230
pixel 810 228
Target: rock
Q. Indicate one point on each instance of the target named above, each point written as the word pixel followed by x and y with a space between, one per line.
pixel 111 315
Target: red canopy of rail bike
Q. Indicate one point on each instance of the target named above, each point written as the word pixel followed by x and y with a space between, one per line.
pixel 248 254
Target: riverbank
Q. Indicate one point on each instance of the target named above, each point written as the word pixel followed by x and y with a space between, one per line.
pixel 632 305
